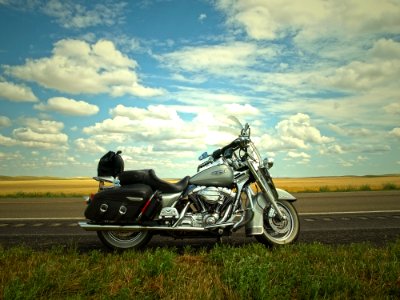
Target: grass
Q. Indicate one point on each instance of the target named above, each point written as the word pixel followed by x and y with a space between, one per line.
pixel 299 271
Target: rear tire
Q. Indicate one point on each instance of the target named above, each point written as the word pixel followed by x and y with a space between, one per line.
pixel 123 240
pixel 280 232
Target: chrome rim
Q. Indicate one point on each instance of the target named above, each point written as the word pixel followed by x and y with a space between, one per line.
pixel 276 229
pixel 124 239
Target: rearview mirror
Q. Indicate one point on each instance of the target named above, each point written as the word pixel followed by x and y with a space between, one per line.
pixel 203 156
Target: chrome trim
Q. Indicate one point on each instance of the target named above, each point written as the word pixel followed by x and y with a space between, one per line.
pixel 96 227
pixel 266 189
pixel 135 199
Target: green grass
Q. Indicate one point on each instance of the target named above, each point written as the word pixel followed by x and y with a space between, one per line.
pixel 299 271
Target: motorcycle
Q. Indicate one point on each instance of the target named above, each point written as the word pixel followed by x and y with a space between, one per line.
pixel 232 189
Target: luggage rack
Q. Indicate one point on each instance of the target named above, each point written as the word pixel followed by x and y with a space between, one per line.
pixel 109 179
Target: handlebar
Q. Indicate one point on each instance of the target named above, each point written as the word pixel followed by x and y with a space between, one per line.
pixel 241 142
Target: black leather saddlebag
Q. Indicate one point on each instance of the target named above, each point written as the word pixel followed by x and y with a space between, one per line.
pixel 123 205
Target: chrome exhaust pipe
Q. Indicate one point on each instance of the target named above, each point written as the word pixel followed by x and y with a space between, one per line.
pixel 109 227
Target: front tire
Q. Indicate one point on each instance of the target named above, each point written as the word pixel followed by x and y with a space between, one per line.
pixel 276 231
pixel 123 240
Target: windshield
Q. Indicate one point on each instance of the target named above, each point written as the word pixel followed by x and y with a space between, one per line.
pixel 236 122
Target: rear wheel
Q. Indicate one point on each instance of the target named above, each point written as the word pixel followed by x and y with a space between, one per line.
pixel 277 231
pixel 122 240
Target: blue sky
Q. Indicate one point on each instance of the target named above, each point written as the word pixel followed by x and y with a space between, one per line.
pixel 317 80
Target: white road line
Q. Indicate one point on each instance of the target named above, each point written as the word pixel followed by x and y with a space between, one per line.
pixel 349 212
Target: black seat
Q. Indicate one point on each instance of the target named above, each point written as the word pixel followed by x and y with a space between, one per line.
pixel 149 177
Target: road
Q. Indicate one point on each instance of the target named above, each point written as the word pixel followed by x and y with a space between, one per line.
pixel 331 218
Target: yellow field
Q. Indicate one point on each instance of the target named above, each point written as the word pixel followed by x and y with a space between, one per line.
pixel 86 186
pixel 42 186
pixel 336 183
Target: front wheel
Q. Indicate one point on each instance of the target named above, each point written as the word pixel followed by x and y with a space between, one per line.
pixel 277 231
pixel 122 240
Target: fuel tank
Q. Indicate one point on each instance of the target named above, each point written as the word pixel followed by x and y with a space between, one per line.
pixel 220 175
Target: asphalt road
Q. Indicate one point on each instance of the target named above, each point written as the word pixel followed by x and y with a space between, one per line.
pixel 330 218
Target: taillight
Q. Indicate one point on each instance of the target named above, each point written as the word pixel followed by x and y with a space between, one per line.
pixel 89 199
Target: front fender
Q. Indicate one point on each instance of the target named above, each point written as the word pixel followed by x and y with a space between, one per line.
pixel 284 195
pixel 256 225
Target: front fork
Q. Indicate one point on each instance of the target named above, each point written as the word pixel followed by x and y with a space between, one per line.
pixel 266 190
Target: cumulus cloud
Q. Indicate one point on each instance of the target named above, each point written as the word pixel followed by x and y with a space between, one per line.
pixel 78 67
pixel 266 20
pixel 4 121
pixel 153 123
pixel 28 135
pixel 392 108
pixel 68 107
pixel 37 133
pixel 216 59
pixel 298 127
pixel 295 132
pixel 380 67
pixel 43 126
pixel 395 132
pixel 88 145
pixel 353 132
pixel 16 92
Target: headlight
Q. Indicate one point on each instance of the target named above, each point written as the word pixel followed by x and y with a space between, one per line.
pixel 268 162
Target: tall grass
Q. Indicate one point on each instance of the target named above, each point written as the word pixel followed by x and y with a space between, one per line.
pixel 224 272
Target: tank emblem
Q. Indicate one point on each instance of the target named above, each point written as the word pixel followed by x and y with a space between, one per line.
pixel 218 172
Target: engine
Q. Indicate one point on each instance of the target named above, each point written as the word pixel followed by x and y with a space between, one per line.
pixel 212 203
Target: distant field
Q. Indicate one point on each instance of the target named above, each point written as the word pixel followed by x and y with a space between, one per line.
pixel 39 186
pixel 32 187
pixel 340 183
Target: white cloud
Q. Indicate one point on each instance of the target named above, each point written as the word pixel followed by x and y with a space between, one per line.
pixel 293 154
pixel 241 109
pixel 16 92
pixel 378 67
pixel 99 68
pixel 156 122
pixel 202 17
pixel 88 145
pixel 353 132
pixel 298 127
pixel 311 19
pixel 70 14
pixel 385 49
pixel 28 135
pixel 217 59
pixel 4 121
pixel 43 126
pixel 7 141
pixel 392 108
pixel 37 133
pixel 153 112
pixel 295 132
pixel 395 132
pixel 331 149
pixel 68 107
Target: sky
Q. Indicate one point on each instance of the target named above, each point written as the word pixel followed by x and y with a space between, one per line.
pixel 318 82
